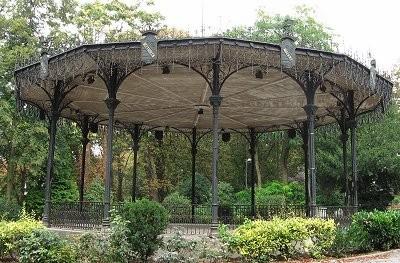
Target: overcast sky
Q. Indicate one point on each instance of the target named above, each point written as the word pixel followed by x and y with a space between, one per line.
pixel 362 26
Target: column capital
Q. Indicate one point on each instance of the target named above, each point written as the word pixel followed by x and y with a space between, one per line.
pixel 111 103
pixel 310 109
pixel 215 100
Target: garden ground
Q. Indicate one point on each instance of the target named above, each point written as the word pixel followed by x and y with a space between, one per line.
pixel 392 256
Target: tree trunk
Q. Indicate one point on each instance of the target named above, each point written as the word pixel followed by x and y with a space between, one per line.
pixel 11 168
pixel 258 170
pixel 104 153
pixel 21 195
pixel 120 182
pixel 159 160
pixel 148 155
pixel 285 159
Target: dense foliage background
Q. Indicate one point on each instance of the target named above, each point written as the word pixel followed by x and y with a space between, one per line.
pixel 162 169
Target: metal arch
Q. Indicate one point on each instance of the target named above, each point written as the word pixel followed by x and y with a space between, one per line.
pixel 121 81
pixel 260 65
pixel 185 133
pixel 345 104
pixel 362 102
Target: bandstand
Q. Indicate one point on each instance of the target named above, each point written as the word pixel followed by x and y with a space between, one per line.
pixel 203 85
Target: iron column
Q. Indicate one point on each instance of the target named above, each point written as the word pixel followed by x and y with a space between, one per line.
pixel 215 101
pixel 194 152
pixel 112 104
pixel 85 141
pixel 311 109
pixel 135 147
pixel 252 151
pixel 344 137
pixel 53 116
pixel 304 136
pixel 352 123
pixel 353 126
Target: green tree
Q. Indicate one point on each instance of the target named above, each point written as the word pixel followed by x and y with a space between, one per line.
pixel 308 32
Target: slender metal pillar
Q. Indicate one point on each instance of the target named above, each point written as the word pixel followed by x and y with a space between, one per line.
pixel 304 135
pixel 111 103
pixel 135 147
pixel 85 141
pixel 352 124
pixel 53 116
pixel 194 152
pixel 344 137
pixel 252 151
pixel 311 109
pixel 215 101
pixel 354 163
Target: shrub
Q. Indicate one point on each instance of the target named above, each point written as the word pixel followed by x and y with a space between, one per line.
pixel 178 250
pixel 395 201
pixel 146 221
pixel 335 198
pixel 260 241
pixel 376 230
pixel 12 232
pixel 45 246
pixel 274 193
pixel 225 194
pixel 178 206
pixel 95 191
pixel 202 189
pixel 343 244
pixel 243 197
pixel 105 246
pixel 8 210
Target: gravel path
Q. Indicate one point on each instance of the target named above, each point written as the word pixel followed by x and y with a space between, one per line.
pixel 392 256
pixel 383 257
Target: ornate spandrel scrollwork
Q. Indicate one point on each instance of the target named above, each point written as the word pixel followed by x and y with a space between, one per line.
pixel 114 65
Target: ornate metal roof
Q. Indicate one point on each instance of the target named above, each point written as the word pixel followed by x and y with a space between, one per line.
pixel 167 83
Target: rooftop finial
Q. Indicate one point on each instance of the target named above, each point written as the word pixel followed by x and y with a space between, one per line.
pixel 288 28
pixel 373 63
pixel 288 46
pixel 44 45
pixel 44 58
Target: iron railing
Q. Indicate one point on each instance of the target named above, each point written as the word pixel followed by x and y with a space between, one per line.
pixel 88 215
pixel 76 215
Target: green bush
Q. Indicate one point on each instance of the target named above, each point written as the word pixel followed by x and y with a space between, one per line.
pixel 343 244
pixel 396 200
pixel 260 241
pixel 291 193
pixel 8 210
pixel 377 230
pixel 225 194
pixel 202 189
pixel 95 191
pixel 335 198
pixel 178 206
pixel 105 246
pixel 274 193
pixel 12 232
pixel 43 245
pixel 146 221
pixel 176 200
pixel 243 197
